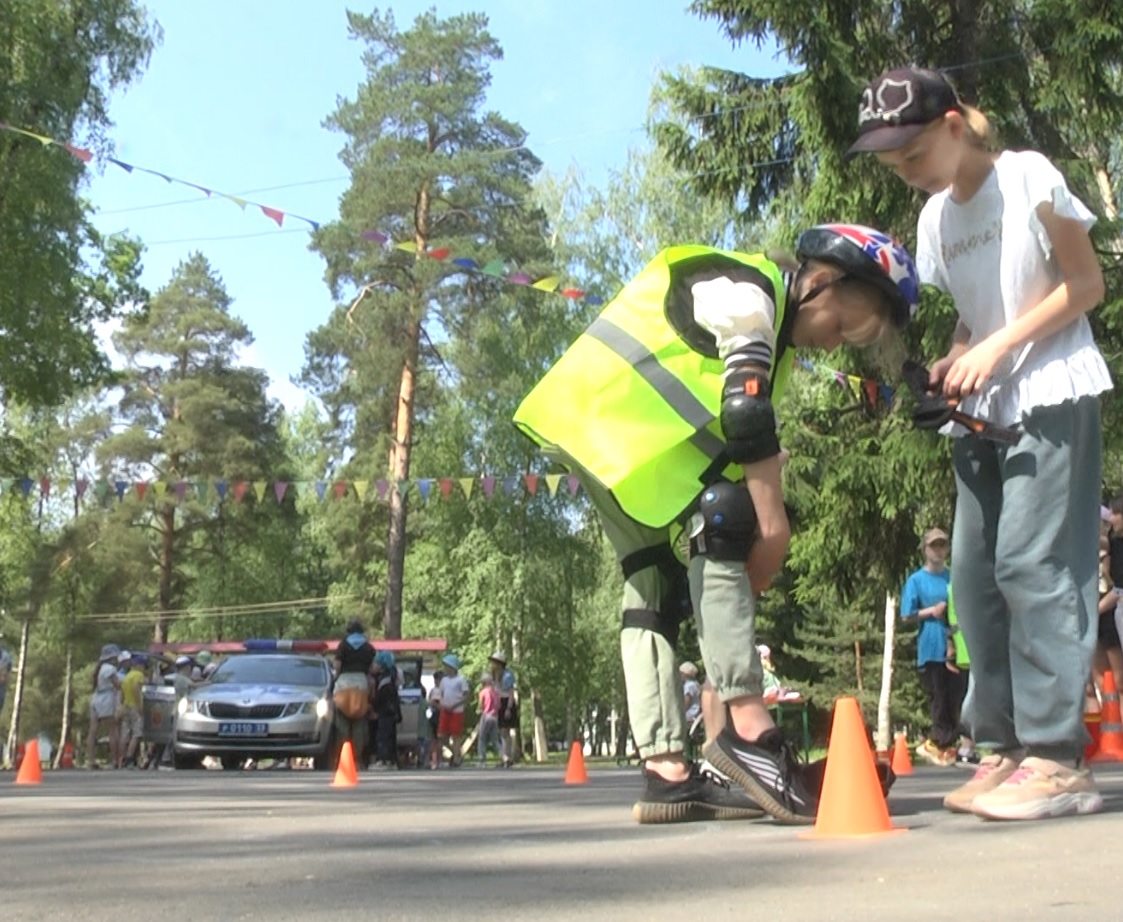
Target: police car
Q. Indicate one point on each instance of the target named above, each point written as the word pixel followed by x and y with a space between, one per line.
pixel 271 702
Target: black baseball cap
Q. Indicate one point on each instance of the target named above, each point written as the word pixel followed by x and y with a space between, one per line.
pixel 899 105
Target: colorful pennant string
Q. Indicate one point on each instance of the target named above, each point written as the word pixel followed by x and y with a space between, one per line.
pixel 866 389
pixel 548 283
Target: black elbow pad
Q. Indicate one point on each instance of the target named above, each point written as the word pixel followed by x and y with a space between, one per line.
pixel 748 421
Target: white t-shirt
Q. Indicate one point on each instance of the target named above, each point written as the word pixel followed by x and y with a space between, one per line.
pixel 994 257
pixel 454 692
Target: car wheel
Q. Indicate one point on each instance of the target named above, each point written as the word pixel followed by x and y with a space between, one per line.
pixel 232 763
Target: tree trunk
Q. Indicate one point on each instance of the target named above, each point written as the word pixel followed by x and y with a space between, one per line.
pixel 67 695
pixel 858 665
pixel 884 729
pixel 167 560
pixel 17 695
pixel 540 743
pixel 400 451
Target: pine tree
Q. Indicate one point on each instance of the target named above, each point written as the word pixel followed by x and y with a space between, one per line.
pixel 440 175
pixel 193 415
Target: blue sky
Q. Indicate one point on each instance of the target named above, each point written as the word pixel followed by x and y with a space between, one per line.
pixel 234 98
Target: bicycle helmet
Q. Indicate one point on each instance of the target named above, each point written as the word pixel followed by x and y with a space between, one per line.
pixel 868 254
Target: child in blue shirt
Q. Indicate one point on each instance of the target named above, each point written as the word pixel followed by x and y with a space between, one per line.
pixel 925 601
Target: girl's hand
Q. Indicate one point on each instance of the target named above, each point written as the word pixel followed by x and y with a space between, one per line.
pixel 970 372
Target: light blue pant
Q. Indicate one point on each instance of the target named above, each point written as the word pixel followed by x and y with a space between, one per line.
pixel 1024 566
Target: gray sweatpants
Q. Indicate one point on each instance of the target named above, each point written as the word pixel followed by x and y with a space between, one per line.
pixel 724 613
pixel 1024 565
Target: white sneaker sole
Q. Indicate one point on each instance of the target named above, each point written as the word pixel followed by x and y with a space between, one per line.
pixel 1046 808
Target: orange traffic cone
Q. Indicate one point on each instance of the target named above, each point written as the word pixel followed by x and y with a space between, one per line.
pixel 575 771
pixel 902 761
pixel 345 774
pixel 851 805
pixel 30 771
pixel 1111 726
pixel 66 760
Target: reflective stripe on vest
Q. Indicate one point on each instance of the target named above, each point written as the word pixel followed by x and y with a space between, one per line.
pixel 635 406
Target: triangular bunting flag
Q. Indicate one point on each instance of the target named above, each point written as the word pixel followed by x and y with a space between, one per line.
pixel 439 254
pixel 61 485
pixel 279 489
pixel 80 487
pixel 573 483
pixel 278 216
pixel 80 152
pixel 871 392
pixel 180 489
pixel 101 490
pixel 374 236
pixel 259 489
pixel 574 293
pixel 465 263
pixel 495 267
pixel 201 487
pixel 127 167
pixel 240 487
pixel 25 484
pixel 445 484
pixel 141 489
pixel 299 488
pixel 519 278
pixel 549 283
pixel 339 488
pixel 887 395
pixel 424 485
pixel 594 299
pixel 220 487
pixel 510 485
pixel 407 246
pixel 488 485
pixel 159 488
pixel 44 487
pixel 119 487
pixel 552 481
pixel 402 487
pixel 321 489
pixel 361 489
pixel 382 486
pixel 466 484
pixel 531 481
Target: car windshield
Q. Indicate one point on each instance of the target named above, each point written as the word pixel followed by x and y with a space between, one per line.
pixel 272 670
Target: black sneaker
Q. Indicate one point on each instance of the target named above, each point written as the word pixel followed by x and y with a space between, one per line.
pixel 815 772
pixel 703 795
pixel 769 771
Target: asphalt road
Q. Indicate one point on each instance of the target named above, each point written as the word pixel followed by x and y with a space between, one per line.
pixel 470 844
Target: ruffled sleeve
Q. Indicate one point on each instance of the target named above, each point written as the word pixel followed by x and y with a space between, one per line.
pixel 1044 183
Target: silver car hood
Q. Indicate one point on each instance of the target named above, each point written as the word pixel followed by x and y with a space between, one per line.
pixel 257 694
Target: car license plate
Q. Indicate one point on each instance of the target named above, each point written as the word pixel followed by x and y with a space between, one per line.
pixel 241 728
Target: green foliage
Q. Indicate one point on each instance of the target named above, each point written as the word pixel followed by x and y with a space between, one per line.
pixel 59 277
pixel 862 484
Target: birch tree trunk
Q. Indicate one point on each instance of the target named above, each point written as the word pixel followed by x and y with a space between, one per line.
pixel 884 730
pixel 17 695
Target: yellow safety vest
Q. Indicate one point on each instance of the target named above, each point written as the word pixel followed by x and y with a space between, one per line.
pixel 634 403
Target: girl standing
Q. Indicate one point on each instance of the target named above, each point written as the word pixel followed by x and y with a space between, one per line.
pixel 1004 236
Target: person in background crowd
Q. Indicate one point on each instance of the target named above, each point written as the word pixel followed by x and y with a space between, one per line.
pixel 454 695
pixel 433 713
pixel 508 717
pixel 5 671
pixel 386 709
pixel 354 657
pixel 924 601
pixel 130 727
pixel 103 704
pixel 487 731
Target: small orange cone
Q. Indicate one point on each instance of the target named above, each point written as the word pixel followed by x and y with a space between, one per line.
pixel 345 774
pixel 1111 724
pixel 575 771
pixel 851 805
pixel 30 771
pixel 902 761
pixel 67 758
